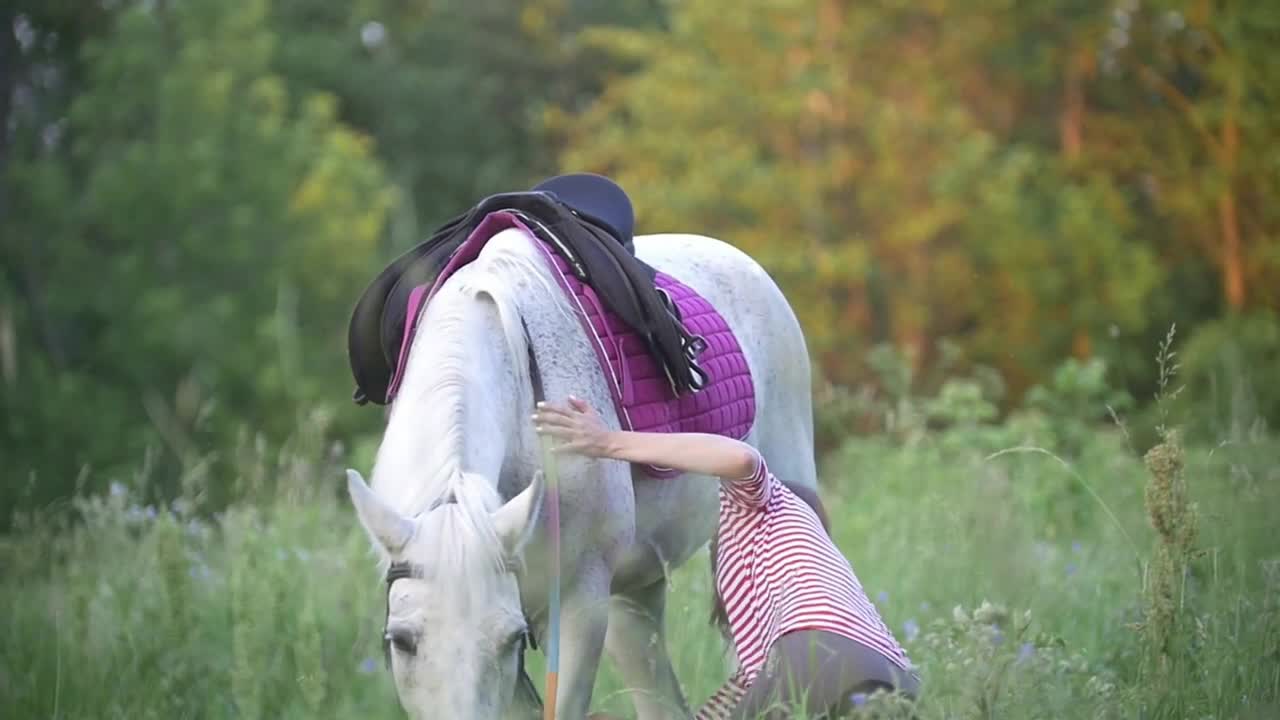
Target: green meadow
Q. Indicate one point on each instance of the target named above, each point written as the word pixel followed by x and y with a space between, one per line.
pixel 1040 567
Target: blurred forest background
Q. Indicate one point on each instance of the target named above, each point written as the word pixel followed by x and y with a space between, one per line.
pixel 194 192
pixel 990 216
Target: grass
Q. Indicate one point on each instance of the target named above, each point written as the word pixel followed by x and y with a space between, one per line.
pixel 1020 581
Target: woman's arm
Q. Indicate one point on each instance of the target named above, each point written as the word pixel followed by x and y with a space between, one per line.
pixel 583 432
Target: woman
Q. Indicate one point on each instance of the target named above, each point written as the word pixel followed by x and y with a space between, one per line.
pixel 805 634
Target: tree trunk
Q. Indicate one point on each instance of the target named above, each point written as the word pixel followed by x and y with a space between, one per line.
pixel 1081 344
pixel 1071 120
pixel 1071 137
pixel 8 76
pixel 8 346
pixel 1233 276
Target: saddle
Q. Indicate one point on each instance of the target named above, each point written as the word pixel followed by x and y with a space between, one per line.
pixel 596 247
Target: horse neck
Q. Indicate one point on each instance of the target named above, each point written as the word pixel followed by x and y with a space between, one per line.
pixel 452 420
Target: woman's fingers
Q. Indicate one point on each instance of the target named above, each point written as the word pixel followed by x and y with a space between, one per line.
pixel 554 420
pixel 554 409
pixel 579 404
pixel 559 431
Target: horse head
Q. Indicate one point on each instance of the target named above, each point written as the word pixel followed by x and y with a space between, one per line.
pixel 455 631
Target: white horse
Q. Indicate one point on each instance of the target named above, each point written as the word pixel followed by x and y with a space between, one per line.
pixel 454 496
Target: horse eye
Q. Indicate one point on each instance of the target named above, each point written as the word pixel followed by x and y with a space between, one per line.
pixel 402 640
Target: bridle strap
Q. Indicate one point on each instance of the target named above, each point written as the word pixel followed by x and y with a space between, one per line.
pixel 404 570
pixel 396 571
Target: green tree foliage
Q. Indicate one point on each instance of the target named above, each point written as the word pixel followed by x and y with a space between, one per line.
pixel 877 188
pixel 1000 174
pixel 450 90
pixel 191 230
pixel 193 193
pixel 1206 82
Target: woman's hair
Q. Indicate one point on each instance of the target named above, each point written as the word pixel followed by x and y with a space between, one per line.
pixel 809 495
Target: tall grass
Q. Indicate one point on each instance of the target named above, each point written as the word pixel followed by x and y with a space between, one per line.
pixel 1027 580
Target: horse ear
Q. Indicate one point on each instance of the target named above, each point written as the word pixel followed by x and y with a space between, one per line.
pixel 517 520
pixel 387 527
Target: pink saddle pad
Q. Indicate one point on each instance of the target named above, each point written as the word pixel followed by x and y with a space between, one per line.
pixel 642 393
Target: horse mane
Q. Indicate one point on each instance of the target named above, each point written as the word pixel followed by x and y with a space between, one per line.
pixel 418 465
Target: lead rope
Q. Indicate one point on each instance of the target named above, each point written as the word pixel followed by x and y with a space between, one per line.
pixel 551 475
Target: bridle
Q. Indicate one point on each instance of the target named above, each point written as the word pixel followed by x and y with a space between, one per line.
pixel 403 570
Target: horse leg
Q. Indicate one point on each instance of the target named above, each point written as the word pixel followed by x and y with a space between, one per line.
pixel 583 625
pixel 638 647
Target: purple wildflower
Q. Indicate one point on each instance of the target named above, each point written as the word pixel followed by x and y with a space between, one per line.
pixel 118 489
pixel 1071 569
pixel 1026 652
pixel 1077 547
pixel 910 629
pixel 997 636
pixel 368 666
pixel 882 597
pixel 858 699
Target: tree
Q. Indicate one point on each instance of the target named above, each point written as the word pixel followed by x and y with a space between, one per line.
pixel 451 91
pixel 856 150
pixel 1210 83
pixel 207 226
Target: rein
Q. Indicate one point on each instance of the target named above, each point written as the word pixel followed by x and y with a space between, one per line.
pixel 551 474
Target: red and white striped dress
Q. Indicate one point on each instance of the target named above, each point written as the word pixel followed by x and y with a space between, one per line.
pixel 779 572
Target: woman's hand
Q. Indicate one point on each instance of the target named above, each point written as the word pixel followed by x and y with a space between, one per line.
pixel 576 425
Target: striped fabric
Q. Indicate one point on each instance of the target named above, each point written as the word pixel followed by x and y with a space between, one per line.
pixel 778 572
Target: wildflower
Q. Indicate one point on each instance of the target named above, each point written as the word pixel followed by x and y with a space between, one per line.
pixel 910 629
pixel 989 614
pixel 882 597
pixel 858 699
pixel 118 489
pixel 1026 652
pixel 1077 547
pixel 150 512
pixel 1071 569
pixel 368 666
pixel 997 636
